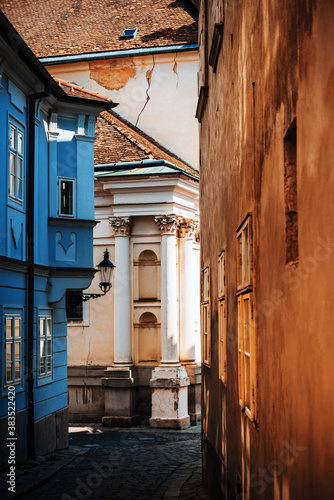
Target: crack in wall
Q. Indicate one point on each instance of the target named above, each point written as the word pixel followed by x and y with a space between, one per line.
pixel 149 73
pixel 175 71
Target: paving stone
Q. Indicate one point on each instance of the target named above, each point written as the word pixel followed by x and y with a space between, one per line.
pixel 117 464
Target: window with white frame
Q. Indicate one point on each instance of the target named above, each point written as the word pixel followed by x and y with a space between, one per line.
pixel 205 317
pixel 13 348
pixel 45 345
pixel 222 318
pixel 67 195
pixel 15 152
pixel 247 372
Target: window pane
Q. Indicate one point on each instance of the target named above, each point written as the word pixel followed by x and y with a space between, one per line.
pixel 8 327
pixel 240 258
pixel 17 370
pixel 12 137
pixel 48 327
pixel 41 327
pixel 205 319
pixel 48 366
pixel 42 366
pixel 12 185
pixel 246 325
pixel 48 345
pixel 12 163
pixel 74 311
pixel 42 348
pixel 9 372
pixel 247 382
pixel 9 351
pixel 19 178
pixel 17 350
pixel 66 198
pixel 17 327
pixel 19 142
pixel 247 253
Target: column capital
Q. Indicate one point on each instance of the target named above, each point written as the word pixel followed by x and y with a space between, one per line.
pixel 188 228
pixel 168 224
pixel 122 225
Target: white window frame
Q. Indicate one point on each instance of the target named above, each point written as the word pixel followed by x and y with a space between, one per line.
pixel 12 316
pixel 13 152
pixel 43 318
pixel 72 181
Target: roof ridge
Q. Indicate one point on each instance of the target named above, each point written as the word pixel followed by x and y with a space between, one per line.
pixel 81 89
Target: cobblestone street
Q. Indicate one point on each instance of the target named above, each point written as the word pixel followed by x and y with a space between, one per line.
pixel 117 464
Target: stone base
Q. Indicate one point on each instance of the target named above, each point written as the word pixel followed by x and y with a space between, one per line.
pixel 170 423
pixel 120 397
pixel 109 421
pixel 169 397
pixel 194 372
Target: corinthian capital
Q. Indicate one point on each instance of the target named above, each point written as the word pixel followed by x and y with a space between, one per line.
pixel 122 225
pixel 188 228
pixel 168 223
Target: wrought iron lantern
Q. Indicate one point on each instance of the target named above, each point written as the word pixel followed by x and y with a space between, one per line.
pixel 106 267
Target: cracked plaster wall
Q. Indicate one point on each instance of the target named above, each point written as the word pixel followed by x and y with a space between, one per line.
pixel 158 93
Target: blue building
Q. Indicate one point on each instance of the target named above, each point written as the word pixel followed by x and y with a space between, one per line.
pixel 46 241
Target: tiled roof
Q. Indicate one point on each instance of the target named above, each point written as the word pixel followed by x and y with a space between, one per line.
pixel 66 27
pixel 118 141
pixel 77 91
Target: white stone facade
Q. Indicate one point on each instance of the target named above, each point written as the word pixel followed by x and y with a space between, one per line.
pixel 145 331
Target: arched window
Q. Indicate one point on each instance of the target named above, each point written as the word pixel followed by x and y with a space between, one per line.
pixel 148 341
pixel 148 275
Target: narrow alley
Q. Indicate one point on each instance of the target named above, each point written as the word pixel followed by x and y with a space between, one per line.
pixel 116 464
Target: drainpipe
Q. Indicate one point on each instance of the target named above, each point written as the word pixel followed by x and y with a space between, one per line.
pixel 31 263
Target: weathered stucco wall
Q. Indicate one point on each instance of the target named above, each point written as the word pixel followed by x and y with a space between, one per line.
pixel 276 65
pixel 158 93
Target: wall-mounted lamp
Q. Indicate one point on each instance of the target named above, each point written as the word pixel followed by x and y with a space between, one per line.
pixel 106 267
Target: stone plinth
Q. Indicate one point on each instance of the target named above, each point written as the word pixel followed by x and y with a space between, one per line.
pixel 194 372
pixel 169 397
pixel 119 398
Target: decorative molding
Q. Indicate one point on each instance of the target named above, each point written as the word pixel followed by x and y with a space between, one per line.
pixel 168 224
pixel 91 126
pixel 53 123
pixel 198 235
pixel 188 228
pixel 122 225
pixel 81 124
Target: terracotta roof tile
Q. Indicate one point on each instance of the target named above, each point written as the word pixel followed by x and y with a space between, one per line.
pixel 117 141
pixel 65 27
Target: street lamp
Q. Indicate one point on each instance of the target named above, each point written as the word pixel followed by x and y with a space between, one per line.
pixel 106 267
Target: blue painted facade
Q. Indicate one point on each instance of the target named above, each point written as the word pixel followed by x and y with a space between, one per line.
pixel 46 239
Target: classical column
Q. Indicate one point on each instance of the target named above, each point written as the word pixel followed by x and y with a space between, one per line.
pixel 120 387
pixel 122 297
pixel 169 380
pixel 189 299
pixel 190 315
